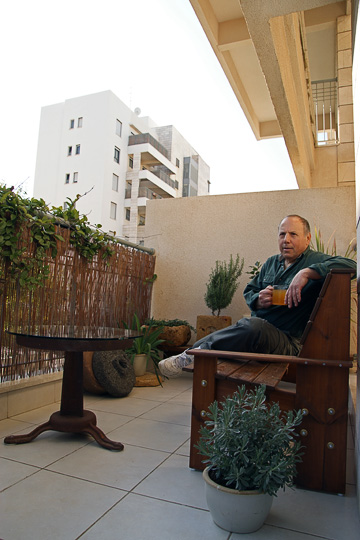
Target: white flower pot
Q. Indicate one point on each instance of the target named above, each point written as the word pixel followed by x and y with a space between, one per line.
pixel 140 363
pixel 236 511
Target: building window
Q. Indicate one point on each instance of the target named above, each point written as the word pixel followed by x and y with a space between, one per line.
pixel 115 182
pixel 177 162
pixel 113 208
pixel 118 128
pixel 69 150
pixel 77 150
pixel 67 178
pixel 117 154
pixel 75 177
pixel 127 214
pixel 80 119
pixel 131 162
pixel 72 123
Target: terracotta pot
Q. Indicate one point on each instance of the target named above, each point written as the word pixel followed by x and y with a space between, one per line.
pixel 207 324
pixel 236 511
pixel 175 336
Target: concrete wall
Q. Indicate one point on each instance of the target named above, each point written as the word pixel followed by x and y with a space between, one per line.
pixel 190 234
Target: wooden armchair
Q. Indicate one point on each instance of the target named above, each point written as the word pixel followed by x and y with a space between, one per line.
pixel 319 385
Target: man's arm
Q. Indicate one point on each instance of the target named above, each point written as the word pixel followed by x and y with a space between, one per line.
pixel 314 271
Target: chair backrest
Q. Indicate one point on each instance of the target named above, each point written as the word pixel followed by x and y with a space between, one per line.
pixel 327 334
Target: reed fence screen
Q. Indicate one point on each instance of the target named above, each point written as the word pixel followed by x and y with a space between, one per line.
pixel 97 293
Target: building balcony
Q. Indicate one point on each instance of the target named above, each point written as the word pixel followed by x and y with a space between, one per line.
pixel 152 152
pixel 159 180
pixel 144 192
pixel 147 138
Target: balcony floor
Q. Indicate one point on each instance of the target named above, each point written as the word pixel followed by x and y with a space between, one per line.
pixel 65 487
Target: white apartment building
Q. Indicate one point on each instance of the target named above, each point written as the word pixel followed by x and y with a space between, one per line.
pixel 96 145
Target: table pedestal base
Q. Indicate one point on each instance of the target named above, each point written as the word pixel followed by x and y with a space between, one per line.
pixel 69 424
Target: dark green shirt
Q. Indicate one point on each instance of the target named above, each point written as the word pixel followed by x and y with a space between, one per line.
pixel 292 321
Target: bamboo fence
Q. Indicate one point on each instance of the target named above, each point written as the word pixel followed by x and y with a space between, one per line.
pixel 97 293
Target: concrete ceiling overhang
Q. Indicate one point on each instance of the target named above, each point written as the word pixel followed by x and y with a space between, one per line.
pixel 270 50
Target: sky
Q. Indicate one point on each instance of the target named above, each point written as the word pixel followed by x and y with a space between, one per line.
pixel 153 54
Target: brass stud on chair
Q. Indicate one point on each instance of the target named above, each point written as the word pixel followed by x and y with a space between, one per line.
pixel 305 412
pixel 331 411
pixel 304 432
pixel 204 383
pixel 203 413
pixel 330 445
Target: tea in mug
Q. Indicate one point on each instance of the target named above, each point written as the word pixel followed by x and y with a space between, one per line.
pixel 278 296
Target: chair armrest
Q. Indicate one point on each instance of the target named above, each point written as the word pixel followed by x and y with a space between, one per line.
pixel 229 355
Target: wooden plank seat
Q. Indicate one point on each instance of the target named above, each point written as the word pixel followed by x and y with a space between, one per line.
pixel 317 384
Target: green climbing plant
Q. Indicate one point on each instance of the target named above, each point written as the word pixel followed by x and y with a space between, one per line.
pixel 87 240
pixel 19 214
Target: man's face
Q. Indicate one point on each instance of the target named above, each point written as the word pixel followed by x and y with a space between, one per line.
pixel 292 239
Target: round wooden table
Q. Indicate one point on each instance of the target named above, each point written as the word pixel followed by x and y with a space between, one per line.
pixel 72 418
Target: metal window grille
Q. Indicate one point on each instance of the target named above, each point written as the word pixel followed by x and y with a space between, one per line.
pixel 326 111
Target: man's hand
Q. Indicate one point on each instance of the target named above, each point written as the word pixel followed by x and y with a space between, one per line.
pixel 293 294
pixel 265 297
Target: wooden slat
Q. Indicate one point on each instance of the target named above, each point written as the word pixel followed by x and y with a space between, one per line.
pixel 272 375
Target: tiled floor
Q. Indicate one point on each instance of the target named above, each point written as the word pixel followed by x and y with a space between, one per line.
pixel 66 487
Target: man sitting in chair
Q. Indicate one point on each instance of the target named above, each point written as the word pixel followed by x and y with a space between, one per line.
pixel 273 329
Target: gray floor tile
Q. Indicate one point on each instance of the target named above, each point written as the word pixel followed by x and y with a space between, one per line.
pixel 9 426
pixel 143 518
pixel 122 470
pixel 126 407
pixel 48 505
pixel 322 514
pixel 174 481
pixel 12 472
pixel 184 449
pixel 152 434
pixel 173 413
pixel 45 449
pixel 38 416
pixel 276 533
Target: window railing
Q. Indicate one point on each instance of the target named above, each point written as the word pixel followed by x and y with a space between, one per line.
pixel 324 94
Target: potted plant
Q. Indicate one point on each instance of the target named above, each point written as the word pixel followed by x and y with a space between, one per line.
pixel 175 333
pixel 220 289
pixel 145 347
pixel 251 452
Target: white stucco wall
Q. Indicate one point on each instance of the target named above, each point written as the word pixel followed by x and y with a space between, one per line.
pixel 190 234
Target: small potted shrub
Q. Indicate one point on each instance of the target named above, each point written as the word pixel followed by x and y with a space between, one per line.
pixel 251 451
pixel 220 289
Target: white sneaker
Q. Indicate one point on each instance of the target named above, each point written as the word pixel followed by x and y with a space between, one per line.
pixel 172 367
